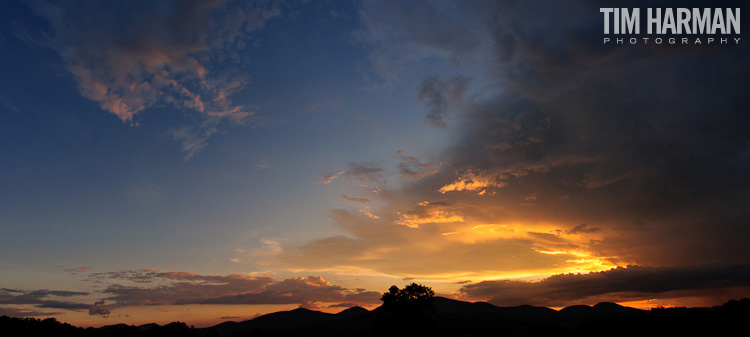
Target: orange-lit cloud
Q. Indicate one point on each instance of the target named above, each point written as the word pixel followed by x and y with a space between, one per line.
pixel 473 179
pixel 366 212
pixel 427 212
pixel 435 241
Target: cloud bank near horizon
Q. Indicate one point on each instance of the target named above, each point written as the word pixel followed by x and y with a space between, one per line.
pixel 150 287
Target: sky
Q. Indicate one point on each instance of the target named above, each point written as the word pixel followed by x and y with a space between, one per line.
pixel 205 161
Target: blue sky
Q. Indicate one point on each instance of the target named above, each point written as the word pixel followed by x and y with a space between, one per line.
pixel 235 158
pixel 101 181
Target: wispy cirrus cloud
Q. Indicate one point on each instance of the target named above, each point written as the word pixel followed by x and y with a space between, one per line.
pixel 131 57
pixel 7 104
pixel 363 171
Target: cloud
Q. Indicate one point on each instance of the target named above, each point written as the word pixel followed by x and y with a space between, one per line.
pixel 363 172
pixel 43 299
pixel 367 213
pixel 410 168
pixel 304 291
pixel 64 305
pixel 647 142
pixel 194 139
pixel 129 58
pixel 397 34
pixel 99 309
pixel 473 179
pixel 327 178
pixel 583 228
pixel 125 288
pixel 629 283
pixel 7 104
pixel 343 305
pixel 356 200
pixel 153 287
pixel 82 269
pixel 632 139
pixel 427 212
pixel 20 312
pixel 431 241
pixel 15 296
pixel 439 96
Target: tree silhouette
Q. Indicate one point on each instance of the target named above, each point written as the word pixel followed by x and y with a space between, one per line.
pixel 412 295
pixel 406 311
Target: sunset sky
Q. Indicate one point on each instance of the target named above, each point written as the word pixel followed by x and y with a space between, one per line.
pixel 205 161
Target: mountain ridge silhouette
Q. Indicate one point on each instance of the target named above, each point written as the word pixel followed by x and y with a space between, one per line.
pixel 450 318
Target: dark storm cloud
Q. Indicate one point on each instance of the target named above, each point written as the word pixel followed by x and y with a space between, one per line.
pixel 632 282
pixel 666 129
pixel 648 142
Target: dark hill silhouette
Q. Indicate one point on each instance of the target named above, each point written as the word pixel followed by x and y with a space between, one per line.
pixel 451 318
pixel 285 320
pixel 116 326
pixel 610 308
pixel 352 312
pixel 147 326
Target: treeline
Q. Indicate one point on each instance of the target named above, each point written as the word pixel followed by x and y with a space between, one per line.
pixel 12 326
